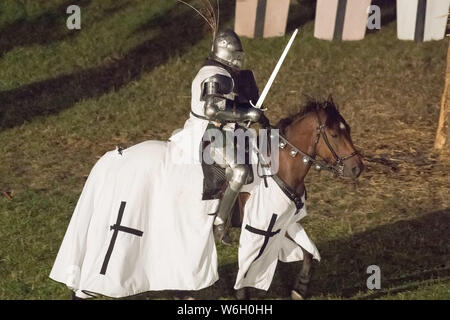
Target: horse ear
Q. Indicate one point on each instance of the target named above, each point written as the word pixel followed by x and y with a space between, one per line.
pixel 330 98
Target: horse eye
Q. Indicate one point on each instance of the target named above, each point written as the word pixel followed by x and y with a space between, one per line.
pixel 334 135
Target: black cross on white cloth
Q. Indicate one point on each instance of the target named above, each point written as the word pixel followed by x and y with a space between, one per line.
pixel 267 234
pixel 117 227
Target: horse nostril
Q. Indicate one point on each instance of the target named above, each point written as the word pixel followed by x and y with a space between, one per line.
pixel 356 170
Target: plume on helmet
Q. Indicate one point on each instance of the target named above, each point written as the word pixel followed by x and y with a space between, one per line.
pixel 207 11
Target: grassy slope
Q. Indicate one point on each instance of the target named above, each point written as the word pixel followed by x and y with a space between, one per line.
pixel 68 97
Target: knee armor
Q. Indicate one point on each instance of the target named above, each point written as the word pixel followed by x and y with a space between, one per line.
pixel 239 176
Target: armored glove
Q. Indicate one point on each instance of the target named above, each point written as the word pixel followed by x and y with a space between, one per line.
pixel 263 121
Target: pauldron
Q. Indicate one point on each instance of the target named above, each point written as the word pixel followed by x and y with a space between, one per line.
pixel 219 86
pixel 222 103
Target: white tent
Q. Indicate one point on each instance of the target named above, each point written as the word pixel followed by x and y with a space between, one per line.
pixel 341 19
pixel 263 18
pixel 422 20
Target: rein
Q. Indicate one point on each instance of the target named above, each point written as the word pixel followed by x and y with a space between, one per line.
pixel 337 168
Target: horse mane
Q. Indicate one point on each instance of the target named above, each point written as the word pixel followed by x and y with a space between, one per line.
pixel 314 105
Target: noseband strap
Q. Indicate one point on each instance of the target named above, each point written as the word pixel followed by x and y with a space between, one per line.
pixel 337 167
pixel 322 132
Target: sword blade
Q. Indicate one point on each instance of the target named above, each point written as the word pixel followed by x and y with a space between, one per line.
pixel 275 71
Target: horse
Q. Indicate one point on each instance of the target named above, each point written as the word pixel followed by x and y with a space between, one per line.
pixel 316 136
pixel 125 214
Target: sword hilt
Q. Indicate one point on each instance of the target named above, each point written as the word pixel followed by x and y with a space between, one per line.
pixel 255 106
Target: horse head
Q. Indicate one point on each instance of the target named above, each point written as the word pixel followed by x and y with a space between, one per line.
pixel 334 143
pixel 321 135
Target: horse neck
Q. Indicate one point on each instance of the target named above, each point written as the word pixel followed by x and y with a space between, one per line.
pixel 292 170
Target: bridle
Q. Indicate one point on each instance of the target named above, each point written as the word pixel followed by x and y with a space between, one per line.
pixel 337 167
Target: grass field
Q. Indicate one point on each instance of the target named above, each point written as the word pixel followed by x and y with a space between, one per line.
pixel 67 97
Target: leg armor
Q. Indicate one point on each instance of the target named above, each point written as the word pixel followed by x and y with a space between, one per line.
pixel 237 175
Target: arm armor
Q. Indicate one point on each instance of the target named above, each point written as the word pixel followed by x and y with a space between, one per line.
pixel 220 104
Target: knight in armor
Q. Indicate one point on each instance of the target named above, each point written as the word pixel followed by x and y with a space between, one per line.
pixel 222 93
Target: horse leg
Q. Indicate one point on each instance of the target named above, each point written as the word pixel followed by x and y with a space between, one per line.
pixel 182 295
pixel 299 292
pixel 242 294
pixel 242 200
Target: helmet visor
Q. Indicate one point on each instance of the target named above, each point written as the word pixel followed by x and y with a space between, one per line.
pixel 238 59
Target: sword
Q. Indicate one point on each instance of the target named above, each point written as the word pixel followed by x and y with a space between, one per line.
pixel 274 73
pixel 271 80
